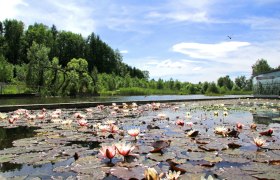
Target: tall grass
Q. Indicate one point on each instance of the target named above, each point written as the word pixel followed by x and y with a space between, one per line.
pixel 135 91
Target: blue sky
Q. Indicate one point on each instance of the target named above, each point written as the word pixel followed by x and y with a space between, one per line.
pixel 180 39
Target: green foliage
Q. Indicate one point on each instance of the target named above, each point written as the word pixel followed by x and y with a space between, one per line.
pixel 212 89
pixel 225 82
pixel 261 66
pixel 37 56
pixel 78 80
pixel 6 70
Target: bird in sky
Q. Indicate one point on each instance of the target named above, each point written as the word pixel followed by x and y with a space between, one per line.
pixel 229 37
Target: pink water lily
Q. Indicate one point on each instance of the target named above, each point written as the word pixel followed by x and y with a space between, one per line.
pixel 134 132
pixel 82 122
pixel 180 122
pixel 108 152
pixel 259 142
pixel 124 149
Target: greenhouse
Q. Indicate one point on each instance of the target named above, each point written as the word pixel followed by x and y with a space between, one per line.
pixel 267 83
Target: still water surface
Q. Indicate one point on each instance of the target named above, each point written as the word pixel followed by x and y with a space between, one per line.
pixel 41 100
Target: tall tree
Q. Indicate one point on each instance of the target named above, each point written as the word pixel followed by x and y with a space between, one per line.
pixel 261 66
pixel 13 32
pixel 226 82
pixel 240 81
pixel 38 60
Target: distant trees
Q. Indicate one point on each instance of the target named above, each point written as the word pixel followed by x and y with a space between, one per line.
pixel 261 66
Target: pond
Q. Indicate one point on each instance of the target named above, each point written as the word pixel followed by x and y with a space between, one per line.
pixel 197 139
pixel 48 100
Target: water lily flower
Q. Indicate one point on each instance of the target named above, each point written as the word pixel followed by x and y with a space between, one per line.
pixel 216 113
pixel 3 116
pixel 221 130
pixel 180 122
pixel 100 107
pixel 192 133
pixel 113 113
pixel 113 128
pixel 108 152
pixel 41 116
pixel 82 122
pixel 67 122
pixel 188 115
pixel 103 128
pixel 134 105
pixel 54 116
pixel 124 149
pixel 267 133
pixel 161 116
pixel 125 111
pixel 57 111
pixel 172 175
pixel 12 120
pixel 253 126
pixel 239 125
pixel 151 174
pixel 189 123
pixel 78 115
pixel 109 122
pixel 133 132
pixel 20 111
pixel 225 113
pixel 259 142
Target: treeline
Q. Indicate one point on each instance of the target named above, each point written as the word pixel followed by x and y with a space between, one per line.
pixel 52 62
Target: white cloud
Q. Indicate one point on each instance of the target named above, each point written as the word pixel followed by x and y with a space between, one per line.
pixel 124 51
pixel 208 51
pixel 180 16
pixel 67 15
pixel 8 9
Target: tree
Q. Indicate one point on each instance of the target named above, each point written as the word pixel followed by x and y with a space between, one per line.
pixel 38 60
pixel 212 88
pixel 261 66
pixel 78 79
pixel 6 70
pixel 240 81
pixel 13 32
pixel 226 82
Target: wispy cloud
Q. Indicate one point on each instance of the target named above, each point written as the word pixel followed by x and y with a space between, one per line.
pixel 124 51
pixel 208 51
pixel 67 15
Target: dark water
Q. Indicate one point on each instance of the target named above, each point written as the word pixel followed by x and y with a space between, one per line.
pixel 8 135
pixel 40 100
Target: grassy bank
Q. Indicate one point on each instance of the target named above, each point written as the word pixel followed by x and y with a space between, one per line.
pixel 134 91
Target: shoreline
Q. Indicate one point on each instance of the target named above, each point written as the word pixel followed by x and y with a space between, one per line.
pixel 6 108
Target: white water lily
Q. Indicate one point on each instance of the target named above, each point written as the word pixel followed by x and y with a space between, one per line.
pixel 259 142
pixel 220 130
pixel 172 175
pixel 3 116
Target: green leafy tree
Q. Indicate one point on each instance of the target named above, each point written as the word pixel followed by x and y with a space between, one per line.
pixel 13 32
pixel 261 66
pixel 37 56
pixel 226 82
pixel 240 82
pixel 6 70
pixel 212 88
pixel 78 79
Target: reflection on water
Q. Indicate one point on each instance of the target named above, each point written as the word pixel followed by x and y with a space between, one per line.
pixel 8 135
pixel 44 171
pixel 266 117
pixel 41 100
